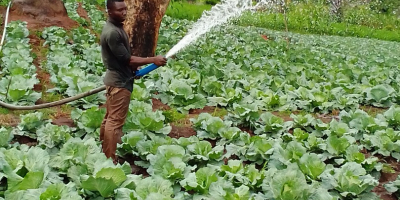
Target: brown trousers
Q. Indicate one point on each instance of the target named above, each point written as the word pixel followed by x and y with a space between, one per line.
pixel 111 128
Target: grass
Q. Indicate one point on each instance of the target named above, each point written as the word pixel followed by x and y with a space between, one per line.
pixel 357 21
pixel 322 25
pixel 219 112
pixel 172 115
pixel 185 10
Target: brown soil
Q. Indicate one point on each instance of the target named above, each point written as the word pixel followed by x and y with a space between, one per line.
pixel 248 130
pixel 24 140
pixel 158 105
pixel 181 131
pixel 37 49
pixel 387 177
pixel 3 11
pixel 64 121
pixel 41 13
pixel 265 37
pixel 135 169
pixel 326 118
pixel 60 113
pixel 82 12
pixel 206 109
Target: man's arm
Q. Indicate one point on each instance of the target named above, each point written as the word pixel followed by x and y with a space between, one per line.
pixel 136 62
pixel 118 48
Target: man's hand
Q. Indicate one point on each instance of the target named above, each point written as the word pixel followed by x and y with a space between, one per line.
pixel 135 61
pixel 160 61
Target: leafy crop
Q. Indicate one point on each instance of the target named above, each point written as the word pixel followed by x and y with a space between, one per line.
pixel 74 72
pixel 18 74
pixel 233 67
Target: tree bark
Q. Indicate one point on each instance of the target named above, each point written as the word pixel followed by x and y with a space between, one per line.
pixel 143 24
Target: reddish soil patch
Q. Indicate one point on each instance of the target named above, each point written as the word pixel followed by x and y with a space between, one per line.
pixel 178 131
pixel 44 77
pixel 248 130
pixel 206 109
pixel 326 118
pixel 64 22
pixel 41 13
pixel 265 37
pixel 61 114
pixel 24 140
pixel 135 169
pixel 158 105
pixel 63 121
pixel 3 11
pixel 386 177
pixel 82 12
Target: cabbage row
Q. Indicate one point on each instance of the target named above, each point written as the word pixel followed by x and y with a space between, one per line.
pixel 18 74
pixel 250 72
pixel 300 159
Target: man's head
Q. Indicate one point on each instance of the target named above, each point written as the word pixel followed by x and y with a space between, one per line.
pixel 117 10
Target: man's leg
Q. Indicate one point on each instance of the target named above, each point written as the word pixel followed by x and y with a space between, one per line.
pixel 117 106
pixel 103 124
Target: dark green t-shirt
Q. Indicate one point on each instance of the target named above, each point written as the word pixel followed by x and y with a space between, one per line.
pixel 116 55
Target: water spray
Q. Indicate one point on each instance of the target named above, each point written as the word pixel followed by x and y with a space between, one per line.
pixel 218 15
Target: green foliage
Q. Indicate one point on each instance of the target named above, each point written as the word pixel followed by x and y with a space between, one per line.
pixel 235 68
pixel 212 2
pixel 358 21
pixel 4 2
pixel 385 6
pixel 185 10
pixel 18 72
pixel 172 115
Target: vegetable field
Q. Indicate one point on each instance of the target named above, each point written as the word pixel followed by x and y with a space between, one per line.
pixel 243 113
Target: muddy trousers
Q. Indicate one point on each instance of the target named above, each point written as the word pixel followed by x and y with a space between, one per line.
pixel 111 128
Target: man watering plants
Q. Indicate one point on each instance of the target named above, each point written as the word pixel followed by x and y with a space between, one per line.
pixel 121 67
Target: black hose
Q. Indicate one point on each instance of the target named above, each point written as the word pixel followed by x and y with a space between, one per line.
pixel 52 104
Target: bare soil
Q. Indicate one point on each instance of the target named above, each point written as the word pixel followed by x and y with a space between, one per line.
pixel 24 140
pixel 82 12
pixel 37 49
pixel 61 121
pixel 181 131
pixel 387 177
pixel 41 13
pixel 135 169
pixel 158 105
pixel 206 109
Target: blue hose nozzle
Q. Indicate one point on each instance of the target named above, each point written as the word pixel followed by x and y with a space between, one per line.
pixel 146 70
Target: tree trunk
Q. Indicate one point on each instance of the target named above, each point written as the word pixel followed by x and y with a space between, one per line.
pixel 41 13
pixel 143 24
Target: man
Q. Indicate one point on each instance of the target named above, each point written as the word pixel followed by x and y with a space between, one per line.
pixel 119 77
